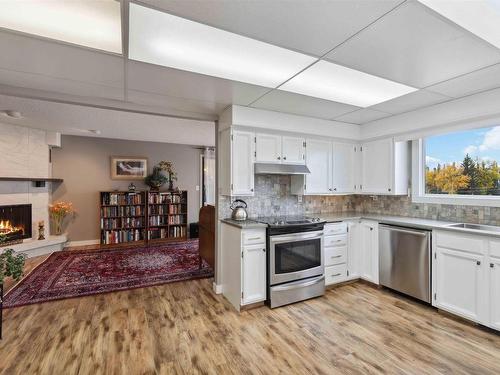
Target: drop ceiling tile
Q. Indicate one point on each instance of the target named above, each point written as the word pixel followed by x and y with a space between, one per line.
pixel 409 102
pixel 282 101
pixel 480 80
pixel 362 116
pixel 415 46
pixel 167 102
pixel 156 79
pixel 310 27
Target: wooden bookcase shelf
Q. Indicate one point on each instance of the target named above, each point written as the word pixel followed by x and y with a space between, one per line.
pixel 142 216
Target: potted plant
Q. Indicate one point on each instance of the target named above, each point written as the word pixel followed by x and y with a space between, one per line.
pixel 11 265
pixel 157 179
pixel 58 212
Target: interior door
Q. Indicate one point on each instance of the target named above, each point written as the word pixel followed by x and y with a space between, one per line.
pixel 268 148
pixel 459 281
pixel 319 161
pixel 494 280
pixel 254 274
pixel 344 168
pixel 377 167
pixel 293 150
pixel 242 173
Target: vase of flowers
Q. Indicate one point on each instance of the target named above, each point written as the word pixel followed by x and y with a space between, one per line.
pixel 58 212
pixel 157 179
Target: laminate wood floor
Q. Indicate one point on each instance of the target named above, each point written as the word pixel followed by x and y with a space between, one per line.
pixel 185 328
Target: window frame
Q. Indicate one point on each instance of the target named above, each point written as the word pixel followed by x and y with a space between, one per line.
pixel 418 182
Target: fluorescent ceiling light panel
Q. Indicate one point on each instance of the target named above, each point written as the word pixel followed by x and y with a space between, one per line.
pixel 90 23
pixel 480 17
pixel 163 39
pixel 340 84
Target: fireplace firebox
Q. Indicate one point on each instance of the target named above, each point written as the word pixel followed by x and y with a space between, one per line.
pixel 15 223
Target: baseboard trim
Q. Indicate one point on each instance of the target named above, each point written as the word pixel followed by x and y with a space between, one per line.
pixel 217 288
pixel 82 243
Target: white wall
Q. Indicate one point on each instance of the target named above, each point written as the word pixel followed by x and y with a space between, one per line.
pixel 25 153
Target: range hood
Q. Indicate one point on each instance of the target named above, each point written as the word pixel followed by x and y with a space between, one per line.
pixel 270 168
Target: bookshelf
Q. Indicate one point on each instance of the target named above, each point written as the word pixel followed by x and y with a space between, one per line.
pixel 142 216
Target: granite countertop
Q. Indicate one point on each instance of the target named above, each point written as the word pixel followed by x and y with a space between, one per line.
pixel 244 224
pixel 412 222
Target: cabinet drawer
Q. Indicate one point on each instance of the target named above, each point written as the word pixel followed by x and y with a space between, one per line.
pixel 335 228
pixel 335 255
pixel 340 240
pixel 335 274
pixel 254 237
pixel 470 244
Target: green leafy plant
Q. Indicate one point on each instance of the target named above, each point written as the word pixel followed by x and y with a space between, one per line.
pixel 156 179
pixel 11 265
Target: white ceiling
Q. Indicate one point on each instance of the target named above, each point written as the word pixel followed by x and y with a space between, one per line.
pixel 394 39
pixel 78 120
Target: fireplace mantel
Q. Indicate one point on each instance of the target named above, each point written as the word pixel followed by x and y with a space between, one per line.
pixel 46 179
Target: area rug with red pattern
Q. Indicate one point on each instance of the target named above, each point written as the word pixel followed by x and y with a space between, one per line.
pixel 77 273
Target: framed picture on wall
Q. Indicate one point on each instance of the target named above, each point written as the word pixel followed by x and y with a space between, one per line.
pixel 128 168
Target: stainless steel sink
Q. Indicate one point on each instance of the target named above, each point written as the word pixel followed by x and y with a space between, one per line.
pixel 488 228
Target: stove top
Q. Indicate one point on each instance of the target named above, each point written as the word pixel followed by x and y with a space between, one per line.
pixel 289 220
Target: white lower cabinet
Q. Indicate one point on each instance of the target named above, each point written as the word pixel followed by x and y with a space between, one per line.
pixel 335 243
pixel 253 288
pixel 494 295
pixel 369 251
pixel 243 268
pixel 466 277
pixel 459 282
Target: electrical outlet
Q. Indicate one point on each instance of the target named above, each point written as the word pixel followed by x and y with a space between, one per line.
pixel 299 198
pixel 197 187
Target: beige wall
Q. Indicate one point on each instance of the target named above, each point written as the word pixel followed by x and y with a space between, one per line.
pixel 84 164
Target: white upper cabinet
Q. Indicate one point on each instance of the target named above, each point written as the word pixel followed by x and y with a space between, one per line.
pixel 344 167
pixel 293 150
pixel 268 148
pixel 385 168
pixel 319 162
pixel 272 148
pixel 242 163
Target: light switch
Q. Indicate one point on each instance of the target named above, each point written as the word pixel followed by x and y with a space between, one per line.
pixel 197 187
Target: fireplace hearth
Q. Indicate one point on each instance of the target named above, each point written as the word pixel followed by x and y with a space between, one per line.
pixel 15 223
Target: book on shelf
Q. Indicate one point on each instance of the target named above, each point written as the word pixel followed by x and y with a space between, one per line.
pixel 142 216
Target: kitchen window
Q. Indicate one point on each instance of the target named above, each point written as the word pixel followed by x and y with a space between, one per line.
pixel 459 167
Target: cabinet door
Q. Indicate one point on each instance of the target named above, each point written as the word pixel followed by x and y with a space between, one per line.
pixel 459 282
pixel 494 297
pixel 377 167
pixel 292 150
pixel 319 161
pixel 268 148
pixel 242 150
pixel 353 249
pixel 369 251
pixel 253 276
pixel 344 168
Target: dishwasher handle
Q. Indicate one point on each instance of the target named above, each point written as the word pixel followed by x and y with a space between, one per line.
pixel 423 233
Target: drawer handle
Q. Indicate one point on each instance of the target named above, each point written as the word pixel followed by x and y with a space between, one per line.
pixel 253 238
pixel 337 274
pixel 336 256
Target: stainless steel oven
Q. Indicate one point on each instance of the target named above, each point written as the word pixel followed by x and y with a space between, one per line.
pixel 295 260
pixel 295 256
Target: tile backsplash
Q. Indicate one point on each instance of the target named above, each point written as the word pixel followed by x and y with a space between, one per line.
pixel 273 198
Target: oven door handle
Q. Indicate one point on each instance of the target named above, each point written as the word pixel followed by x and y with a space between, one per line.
pixel 299 284
pixel 296 237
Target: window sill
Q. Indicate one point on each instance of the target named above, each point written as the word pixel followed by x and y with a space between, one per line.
pixel 459 200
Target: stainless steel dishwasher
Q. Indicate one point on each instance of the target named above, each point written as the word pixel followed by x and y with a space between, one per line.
pixel 405 260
